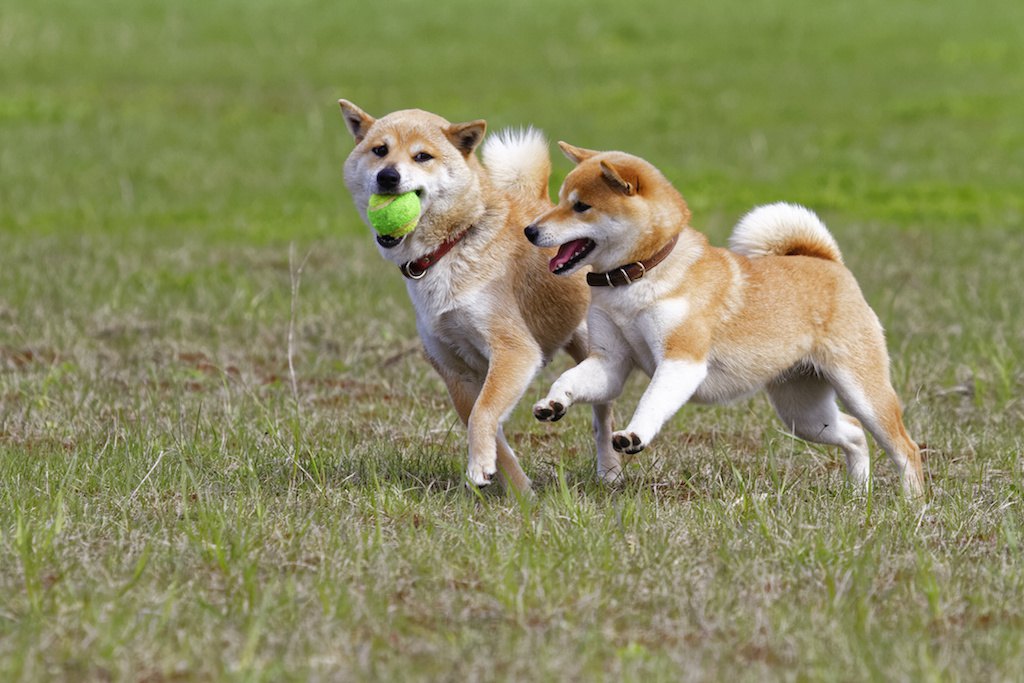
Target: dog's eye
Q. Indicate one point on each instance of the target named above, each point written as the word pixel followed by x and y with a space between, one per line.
pixel 580 207
pixel 421 157
pixel 380 150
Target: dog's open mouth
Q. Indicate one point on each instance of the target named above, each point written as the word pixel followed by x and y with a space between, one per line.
pixel 387 241
pixel 569 254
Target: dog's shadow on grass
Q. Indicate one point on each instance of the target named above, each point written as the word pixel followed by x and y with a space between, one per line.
pixel 443 476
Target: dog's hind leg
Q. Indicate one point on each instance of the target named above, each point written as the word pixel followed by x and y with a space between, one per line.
pixel 867 393
pixel 609 463
pixel 806 403
pixel 509 469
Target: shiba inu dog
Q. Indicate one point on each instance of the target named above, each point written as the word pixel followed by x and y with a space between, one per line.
pixel 488 312
pixel 778 311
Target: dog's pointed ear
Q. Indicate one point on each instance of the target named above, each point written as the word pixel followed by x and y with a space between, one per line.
pixel 357 120
pixel 616 180
pixel 466 136
pixel 575 154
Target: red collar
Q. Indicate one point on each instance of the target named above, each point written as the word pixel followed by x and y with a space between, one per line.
pixel 415 270
pixel 631 272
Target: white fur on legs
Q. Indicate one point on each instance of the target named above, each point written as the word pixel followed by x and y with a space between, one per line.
pixel 596 380
pixel 807 406
pixel 672 385
pixel 855 447
pixel 609 464
pixel 878 409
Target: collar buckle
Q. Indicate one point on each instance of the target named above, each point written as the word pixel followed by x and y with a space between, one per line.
pixel 412 270
pixel 415 270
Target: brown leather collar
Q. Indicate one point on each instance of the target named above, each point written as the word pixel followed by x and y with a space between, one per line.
pixel 631 272
pixel 415 270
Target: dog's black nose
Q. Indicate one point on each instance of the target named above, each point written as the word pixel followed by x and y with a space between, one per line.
pixel 531 233
pixel 388 179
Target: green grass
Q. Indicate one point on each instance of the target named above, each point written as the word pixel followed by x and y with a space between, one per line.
pixel 173 507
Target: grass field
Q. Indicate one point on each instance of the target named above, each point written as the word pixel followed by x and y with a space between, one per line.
pixel 178 504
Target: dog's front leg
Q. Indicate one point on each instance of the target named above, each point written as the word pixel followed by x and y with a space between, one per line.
pixel 513 363
pixel 464 396
pixel 464 390
pixel 673 383
pixel 464 385
pixel 597 379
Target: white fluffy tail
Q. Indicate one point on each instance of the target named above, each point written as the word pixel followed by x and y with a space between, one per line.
pixel 784 230
pixel 518 161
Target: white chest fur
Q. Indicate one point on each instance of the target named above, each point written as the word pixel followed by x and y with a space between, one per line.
pixel 454 310
pixel 645 315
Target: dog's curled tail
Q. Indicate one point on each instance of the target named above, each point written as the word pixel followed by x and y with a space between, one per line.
pixel 784 230
pixel 518 161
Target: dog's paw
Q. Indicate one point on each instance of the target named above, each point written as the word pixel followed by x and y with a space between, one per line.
pixel 548 410
pixel 479 475
pixel 627 442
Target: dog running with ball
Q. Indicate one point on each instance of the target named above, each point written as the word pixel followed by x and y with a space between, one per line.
pixel 488 311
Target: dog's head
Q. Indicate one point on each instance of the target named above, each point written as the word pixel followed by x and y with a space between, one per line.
pixel 613 208
pixel 415 151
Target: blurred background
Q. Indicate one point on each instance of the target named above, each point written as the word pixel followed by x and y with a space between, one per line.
pixel 220 117
pixel 158 158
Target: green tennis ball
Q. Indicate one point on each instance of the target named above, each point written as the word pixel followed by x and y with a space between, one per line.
pixel 394 214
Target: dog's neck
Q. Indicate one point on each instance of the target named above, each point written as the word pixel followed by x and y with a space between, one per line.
pixel 454 214
pixel 629 273
pixel 474 212
pixel 417 268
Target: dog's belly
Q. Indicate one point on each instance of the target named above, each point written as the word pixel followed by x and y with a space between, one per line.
pixel 735 376
pixel 722 386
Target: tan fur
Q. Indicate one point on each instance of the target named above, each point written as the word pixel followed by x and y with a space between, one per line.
pixel 490 314
pixel 710 325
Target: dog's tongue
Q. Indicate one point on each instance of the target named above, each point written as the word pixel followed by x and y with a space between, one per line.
pixel 566 252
